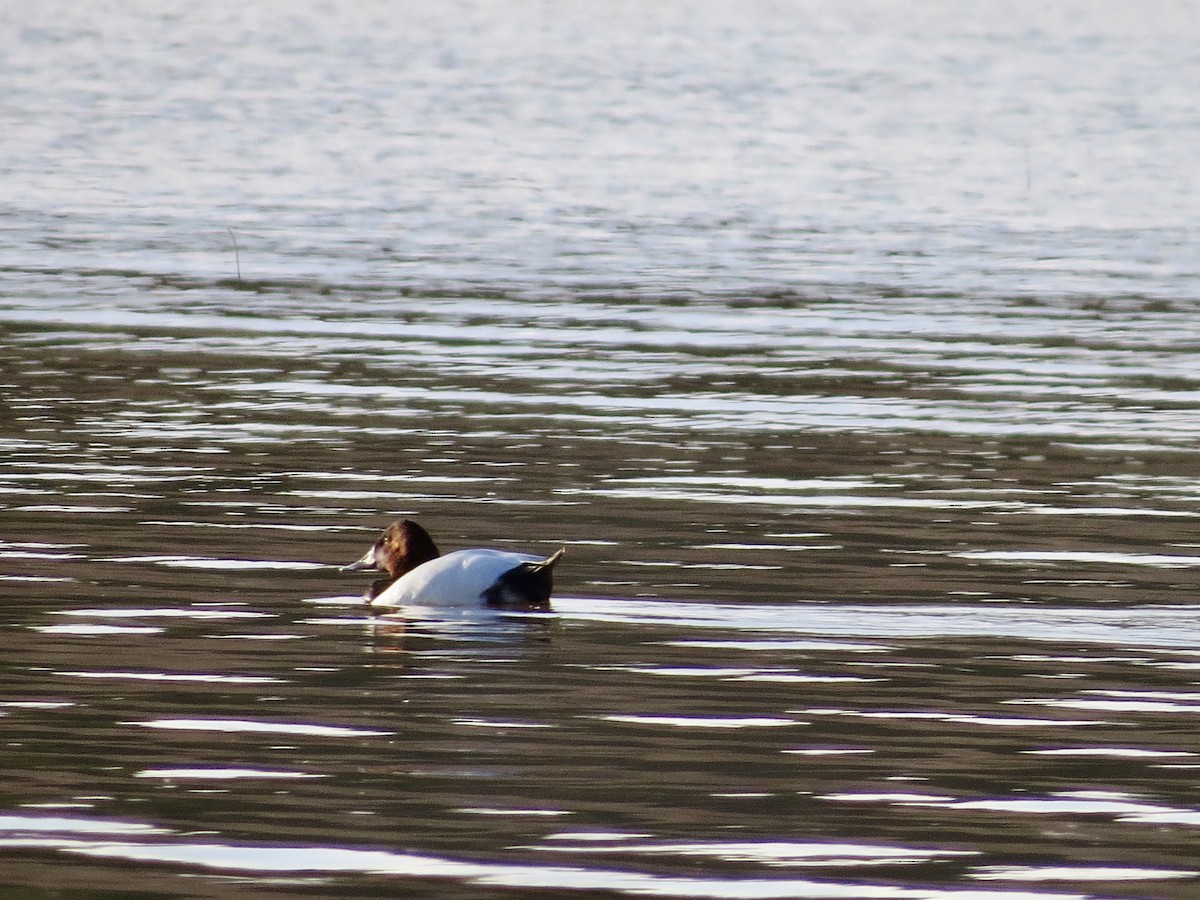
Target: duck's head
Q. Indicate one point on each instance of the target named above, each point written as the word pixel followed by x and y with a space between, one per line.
pixel 400 549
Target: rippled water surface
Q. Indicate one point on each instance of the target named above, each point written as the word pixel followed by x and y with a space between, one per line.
pixel 851 354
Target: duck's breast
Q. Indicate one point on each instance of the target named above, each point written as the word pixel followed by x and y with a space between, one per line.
pixel 456 579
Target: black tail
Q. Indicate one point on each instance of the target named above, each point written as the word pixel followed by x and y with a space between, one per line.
pixel 527 586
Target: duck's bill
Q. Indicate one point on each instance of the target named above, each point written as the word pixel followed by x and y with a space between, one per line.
pixel 366 564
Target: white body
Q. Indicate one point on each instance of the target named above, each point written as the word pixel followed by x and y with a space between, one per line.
pixel 456 579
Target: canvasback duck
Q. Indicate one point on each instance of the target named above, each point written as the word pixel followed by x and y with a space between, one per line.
pixel 419 575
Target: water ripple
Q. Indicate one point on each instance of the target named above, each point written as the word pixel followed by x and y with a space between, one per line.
pixel 316 859
pixel 260 727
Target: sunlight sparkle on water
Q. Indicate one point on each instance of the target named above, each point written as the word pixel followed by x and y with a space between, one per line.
pixel 219 774
pixel 258 727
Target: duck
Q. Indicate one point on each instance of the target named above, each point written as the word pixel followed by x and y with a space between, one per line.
pixel 420 575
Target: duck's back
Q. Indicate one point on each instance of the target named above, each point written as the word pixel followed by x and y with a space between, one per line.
pixel 461 578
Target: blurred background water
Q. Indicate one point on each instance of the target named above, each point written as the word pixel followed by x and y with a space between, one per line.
pixel 850 350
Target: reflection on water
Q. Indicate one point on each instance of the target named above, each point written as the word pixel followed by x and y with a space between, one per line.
pixel 558 878
pixel 825 628
pixel 748 736
pixel 849 351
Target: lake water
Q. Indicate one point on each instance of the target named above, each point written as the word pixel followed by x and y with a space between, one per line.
pixel 849 349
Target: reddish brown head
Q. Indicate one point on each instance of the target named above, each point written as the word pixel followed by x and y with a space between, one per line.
pixel 400 549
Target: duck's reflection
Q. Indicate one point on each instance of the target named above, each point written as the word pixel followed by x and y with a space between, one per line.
pixel 413 630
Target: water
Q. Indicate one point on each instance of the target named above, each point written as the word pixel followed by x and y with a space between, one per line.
pixel 850 352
